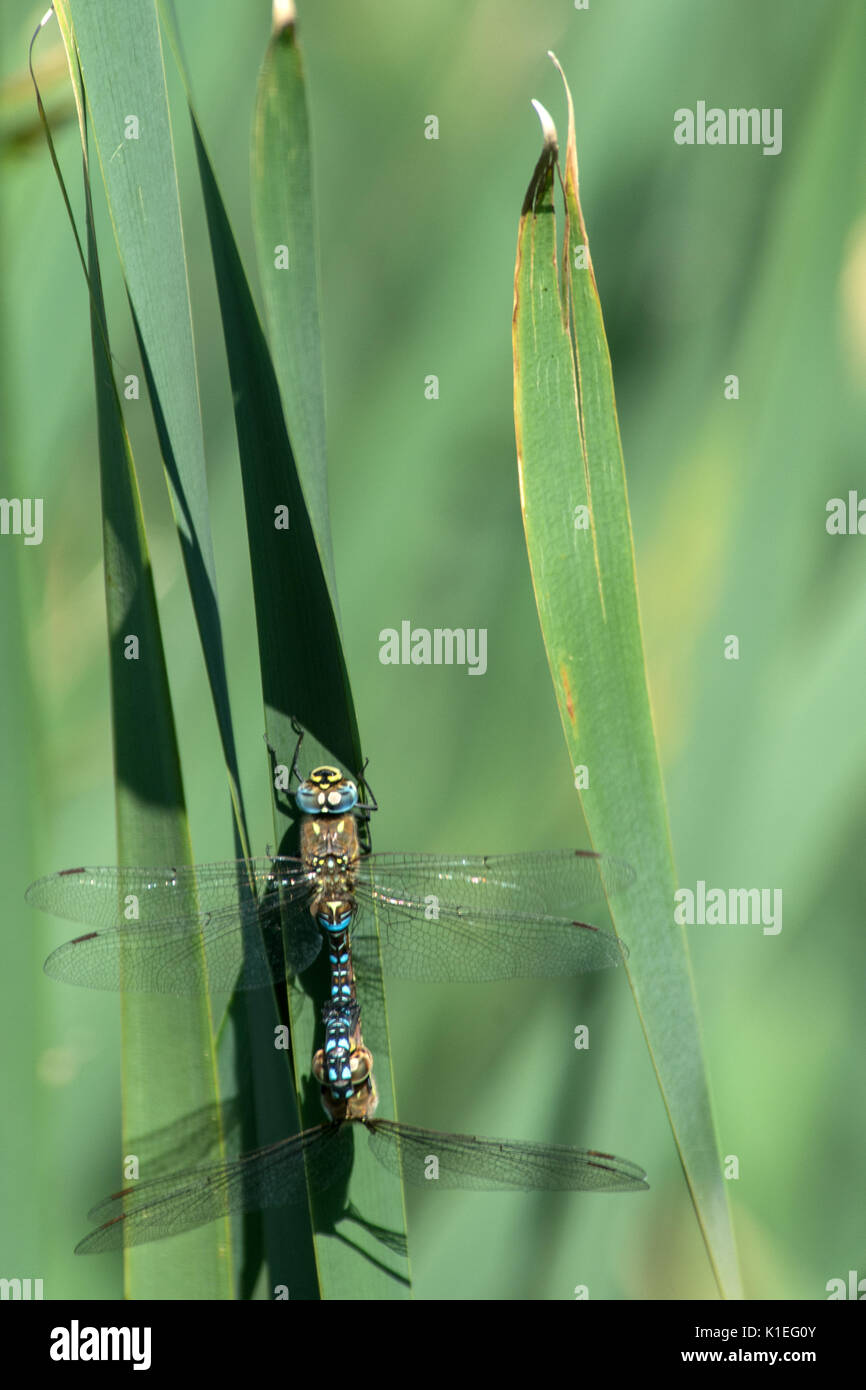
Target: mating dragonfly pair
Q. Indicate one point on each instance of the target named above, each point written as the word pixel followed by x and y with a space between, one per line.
pixel 243 924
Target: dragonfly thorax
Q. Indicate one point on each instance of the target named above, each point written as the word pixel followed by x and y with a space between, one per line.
pixel 335 883
pixel 330 850
pixel 330 864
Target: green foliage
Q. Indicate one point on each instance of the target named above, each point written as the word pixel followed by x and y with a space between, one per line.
pixel 709 261
pixel 578 534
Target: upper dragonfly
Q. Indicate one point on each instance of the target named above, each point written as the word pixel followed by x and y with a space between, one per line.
pixel 240 924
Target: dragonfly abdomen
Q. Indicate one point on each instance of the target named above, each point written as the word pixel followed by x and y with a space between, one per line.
pixel 344 1066
pixel 339 954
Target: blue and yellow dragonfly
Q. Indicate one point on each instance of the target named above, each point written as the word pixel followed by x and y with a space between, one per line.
pixel 321 1158
pixel 191 929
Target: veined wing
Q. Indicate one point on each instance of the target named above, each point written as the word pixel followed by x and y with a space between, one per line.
pixel 191 1139
pixel 476 918
pixel 550 882
pixel 271 1177
pixel 464 1161
pixel 96 896
pixel 463 946
pixel 196 927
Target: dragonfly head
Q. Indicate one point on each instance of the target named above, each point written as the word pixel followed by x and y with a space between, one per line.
pixel 326 792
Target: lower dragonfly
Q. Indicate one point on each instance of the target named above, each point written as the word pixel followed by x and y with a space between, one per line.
pixel 241 924
pixel 277 1175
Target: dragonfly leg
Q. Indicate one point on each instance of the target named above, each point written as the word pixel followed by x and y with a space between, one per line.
pixel 285 804
pixel 300 731
pixel 372 804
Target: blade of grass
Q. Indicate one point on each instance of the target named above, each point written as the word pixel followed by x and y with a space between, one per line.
pixel 183 472
pixel 120 52
pixel 582 563
pixel 121 57
pixel 287 249
pixel 150 810
pixel 21 1097
pixel 303 674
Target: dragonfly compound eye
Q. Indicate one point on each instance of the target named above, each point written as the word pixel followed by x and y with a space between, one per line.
pixel 326 789
pixel 361 1064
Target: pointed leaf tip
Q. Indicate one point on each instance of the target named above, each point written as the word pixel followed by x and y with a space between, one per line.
pixel 284 15
pixel 547 159
pixel 551 139
pixel 571 144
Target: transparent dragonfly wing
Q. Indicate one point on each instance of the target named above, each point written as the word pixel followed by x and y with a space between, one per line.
pixel 371 997
pixel 550 882
pixel 490 1165
pixel 458 947
pixel 277 1176
pixel 221 927
pixel 485 917
pixel 194 928
pixel 192 1139
pixel 270 1177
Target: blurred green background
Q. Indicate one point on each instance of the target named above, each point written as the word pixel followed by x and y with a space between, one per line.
pixel 709 261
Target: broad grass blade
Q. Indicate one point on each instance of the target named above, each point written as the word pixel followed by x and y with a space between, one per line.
pixel 578 535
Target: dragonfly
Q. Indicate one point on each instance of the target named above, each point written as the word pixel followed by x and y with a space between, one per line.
pixel 278 1174
pixel 239 924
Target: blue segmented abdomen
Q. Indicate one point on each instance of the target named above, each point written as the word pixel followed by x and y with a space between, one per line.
pixel 341 1014
pixel 342 981
pixel 336 930
pixel 342 989
pixel 339 1025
